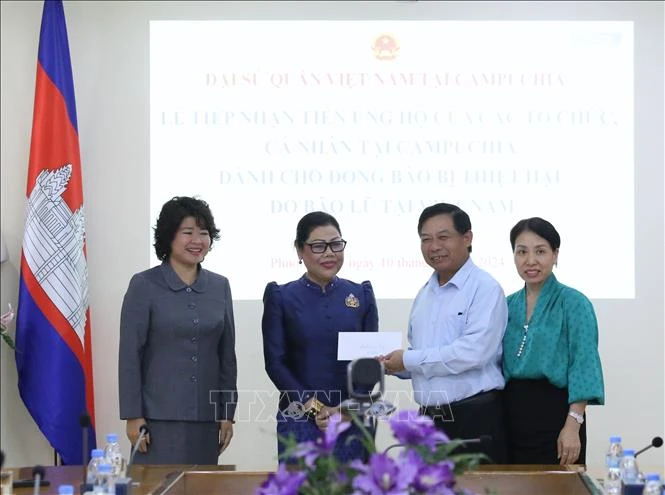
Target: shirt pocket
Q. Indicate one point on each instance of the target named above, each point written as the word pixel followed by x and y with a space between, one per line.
pixel 452 326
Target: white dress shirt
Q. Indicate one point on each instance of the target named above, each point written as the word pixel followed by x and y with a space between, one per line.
pixel 455 334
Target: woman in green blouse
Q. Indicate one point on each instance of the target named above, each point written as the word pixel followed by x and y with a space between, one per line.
pixel 550 355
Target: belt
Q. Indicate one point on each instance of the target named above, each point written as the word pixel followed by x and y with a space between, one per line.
pixel 478 399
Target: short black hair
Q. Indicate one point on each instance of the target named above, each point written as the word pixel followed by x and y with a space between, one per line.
pixel 174 211
pixel 538 226
pixel 461 220
pixel 311 221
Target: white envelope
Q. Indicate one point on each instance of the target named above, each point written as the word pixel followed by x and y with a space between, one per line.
pixel 354 345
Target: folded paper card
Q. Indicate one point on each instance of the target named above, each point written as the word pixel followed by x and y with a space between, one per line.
pixel 354 345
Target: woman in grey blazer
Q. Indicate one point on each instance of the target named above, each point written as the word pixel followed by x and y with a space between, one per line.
pixel 177 363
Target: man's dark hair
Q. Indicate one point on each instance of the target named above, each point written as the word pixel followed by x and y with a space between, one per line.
pixel 461 220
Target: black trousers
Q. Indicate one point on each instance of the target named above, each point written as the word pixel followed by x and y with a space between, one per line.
pixel 535 412
pixel 476 417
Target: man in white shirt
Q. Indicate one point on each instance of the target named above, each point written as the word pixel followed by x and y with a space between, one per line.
pixel 456 327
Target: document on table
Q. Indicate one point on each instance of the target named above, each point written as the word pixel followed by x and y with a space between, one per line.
pixel 355 345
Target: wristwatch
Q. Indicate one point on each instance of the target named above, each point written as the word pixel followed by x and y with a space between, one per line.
pixel 578 417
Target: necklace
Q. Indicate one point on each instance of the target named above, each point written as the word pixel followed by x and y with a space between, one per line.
pixel 526 330
pixel 527 321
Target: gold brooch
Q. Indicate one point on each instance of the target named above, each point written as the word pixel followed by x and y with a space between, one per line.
pixel 352 301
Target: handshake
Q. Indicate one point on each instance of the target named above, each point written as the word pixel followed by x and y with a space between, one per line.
pixel 393 362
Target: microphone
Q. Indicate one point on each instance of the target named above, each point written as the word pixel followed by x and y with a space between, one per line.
pixel 143 431
pixel 481 440
pixel 367 411
pixel 84 421
pixel 381 409
pixel 123 485
pixel 376 409
pixel 37 475
pixel 655 442
pixel 36 481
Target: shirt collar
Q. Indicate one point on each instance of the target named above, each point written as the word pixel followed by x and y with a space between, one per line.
pixel 312 285
pixel 457 280
pixel 175 283
pixel 547 286
pixel 551 280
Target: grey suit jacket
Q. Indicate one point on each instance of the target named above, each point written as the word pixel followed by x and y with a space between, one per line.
pixel 177 356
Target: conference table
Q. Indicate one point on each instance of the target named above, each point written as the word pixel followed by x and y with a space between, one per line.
pixel 224 480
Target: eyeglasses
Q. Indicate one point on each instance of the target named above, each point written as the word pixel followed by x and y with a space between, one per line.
pixel 320 246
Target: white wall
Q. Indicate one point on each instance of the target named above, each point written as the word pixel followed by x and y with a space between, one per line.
pixel 109 49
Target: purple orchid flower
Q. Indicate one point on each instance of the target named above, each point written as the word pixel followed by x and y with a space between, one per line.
pixel 414 470
pixel 335 428
pixel 383 476
pixel 435 478
pixel 282 482
pixel 410 428
pixel 411 457
pixel 309 452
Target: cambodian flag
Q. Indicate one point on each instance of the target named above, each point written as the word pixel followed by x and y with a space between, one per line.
pixel 53 344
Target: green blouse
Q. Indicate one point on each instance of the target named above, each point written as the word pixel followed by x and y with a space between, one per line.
pixel 561 343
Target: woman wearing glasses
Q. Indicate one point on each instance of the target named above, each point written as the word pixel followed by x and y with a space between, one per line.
pixel 301 322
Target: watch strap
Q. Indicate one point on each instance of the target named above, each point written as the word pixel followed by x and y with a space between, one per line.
pixel 578 417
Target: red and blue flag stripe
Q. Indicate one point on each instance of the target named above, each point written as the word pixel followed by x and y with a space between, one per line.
pixel 53 340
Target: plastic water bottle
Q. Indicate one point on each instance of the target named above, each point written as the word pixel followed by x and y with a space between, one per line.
pixel 630 473
pixel 612 483
pixel 652 486
pixel 113 455
pixel 66 490
pixel 104 483
pixel 96 458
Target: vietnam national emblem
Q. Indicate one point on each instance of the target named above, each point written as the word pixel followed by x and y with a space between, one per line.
pixel 386 47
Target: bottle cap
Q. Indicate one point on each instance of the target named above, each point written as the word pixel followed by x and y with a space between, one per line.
pixel 112 437
pixel 652 477
pixel 615 439
pixel 628 452
pixel 97 453
pixel 66 490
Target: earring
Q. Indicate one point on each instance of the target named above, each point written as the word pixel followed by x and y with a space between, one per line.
pixel 300 261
